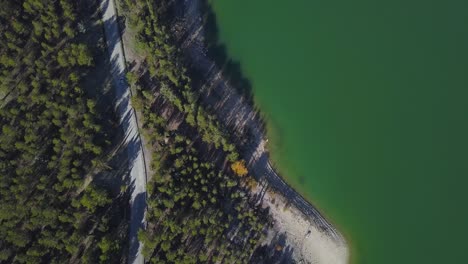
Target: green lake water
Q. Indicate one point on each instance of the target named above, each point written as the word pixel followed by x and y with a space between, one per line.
pixel 367 105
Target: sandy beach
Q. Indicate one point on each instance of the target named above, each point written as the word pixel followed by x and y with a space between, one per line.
pixel 309 243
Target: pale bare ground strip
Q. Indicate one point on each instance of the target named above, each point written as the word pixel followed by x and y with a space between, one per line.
pixel 129 124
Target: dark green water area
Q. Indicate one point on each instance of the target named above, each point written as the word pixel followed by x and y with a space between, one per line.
pixel 367 108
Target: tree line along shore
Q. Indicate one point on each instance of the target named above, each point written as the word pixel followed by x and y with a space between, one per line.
pixel 62 182
pixel 200 208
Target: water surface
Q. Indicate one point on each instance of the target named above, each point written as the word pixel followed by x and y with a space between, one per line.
pixel 367 108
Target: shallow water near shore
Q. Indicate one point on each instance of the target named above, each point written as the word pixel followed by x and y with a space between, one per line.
pixel 368 103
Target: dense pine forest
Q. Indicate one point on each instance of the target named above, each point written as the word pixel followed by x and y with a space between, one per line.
pixel 57 141
pixel 53 140
pixel 200 208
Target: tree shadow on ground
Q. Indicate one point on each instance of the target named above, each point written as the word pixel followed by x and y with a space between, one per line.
pixel 112 103
pixel 276 252
pixel 196 29
pixel 218 52
pixel 222 86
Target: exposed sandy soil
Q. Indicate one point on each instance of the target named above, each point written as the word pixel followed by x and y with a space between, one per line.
pixel 308 243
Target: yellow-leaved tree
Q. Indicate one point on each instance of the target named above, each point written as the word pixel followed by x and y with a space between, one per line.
pixel 239 168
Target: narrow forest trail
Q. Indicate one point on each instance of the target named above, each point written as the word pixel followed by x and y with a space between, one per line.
pixel 129 124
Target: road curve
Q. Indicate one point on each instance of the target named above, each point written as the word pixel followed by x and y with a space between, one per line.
pixel 128 122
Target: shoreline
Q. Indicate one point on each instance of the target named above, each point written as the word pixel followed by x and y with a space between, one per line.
pixel 239 115
pixel 344 236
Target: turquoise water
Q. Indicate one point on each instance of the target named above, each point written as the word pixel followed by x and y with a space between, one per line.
pixel 367 108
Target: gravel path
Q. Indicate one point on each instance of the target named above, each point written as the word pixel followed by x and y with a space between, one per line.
pixel 128 122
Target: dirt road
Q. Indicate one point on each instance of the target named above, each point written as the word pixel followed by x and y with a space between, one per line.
pixel 128 122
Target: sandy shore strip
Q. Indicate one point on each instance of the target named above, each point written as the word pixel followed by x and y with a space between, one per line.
pixel 308 243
